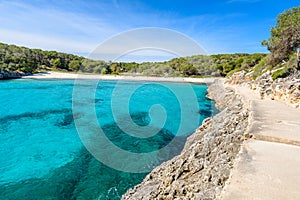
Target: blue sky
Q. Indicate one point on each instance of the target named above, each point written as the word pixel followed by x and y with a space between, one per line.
pixel 219 26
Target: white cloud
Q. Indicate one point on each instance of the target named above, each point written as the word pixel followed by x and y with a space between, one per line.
pixel 79 26
pixel 44 42
pixel 48 28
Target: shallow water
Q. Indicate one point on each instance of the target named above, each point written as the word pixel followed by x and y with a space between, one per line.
pixel 42 155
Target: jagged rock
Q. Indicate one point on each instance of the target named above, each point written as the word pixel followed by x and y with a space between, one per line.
pixel 204 165
pixel 283 89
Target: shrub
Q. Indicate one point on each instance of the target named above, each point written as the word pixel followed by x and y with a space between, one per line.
pixel 282 73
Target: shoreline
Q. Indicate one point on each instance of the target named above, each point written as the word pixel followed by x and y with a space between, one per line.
pixel 62 75
pixel 236 154
pixel 203 167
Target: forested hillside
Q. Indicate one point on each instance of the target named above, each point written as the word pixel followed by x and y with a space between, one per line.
pixel 15 58
pixel 283 42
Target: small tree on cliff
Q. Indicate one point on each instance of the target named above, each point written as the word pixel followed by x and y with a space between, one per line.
pixel 285 36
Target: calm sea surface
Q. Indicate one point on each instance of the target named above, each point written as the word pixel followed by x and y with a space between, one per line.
pixel 42 155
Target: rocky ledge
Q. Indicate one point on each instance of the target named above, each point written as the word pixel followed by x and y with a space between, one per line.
pixel 282 89
pixel 204 165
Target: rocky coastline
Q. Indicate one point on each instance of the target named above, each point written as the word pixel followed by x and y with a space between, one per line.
pixel 204 165
pixel 10 75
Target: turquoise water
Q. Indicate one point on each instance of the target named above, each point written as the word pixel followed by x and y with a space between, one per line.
pixel 42 155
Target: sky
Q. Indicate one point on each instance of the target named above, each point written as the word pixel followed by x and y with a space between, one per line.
pixel 78 27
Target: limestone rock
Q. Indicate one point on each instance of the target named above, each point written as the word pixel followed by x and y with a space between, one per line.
pixel 204 165
pixel 283 89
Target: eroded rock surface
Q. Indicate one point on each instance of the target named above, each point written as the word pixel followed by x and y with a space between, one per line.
pixel 282 89
pixel 204 165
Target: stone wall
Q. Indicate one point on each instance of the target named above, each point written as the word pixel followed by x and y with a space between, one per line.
pixel 204 165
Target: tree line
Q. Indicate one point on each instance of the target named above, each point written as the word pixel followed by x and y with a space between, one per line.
pixel 282 44
pixel 15 58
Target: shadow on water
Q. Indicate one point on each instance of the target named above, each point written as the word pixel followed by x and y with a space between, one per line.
pixel 83 178
pixel 87 178
pixel 33 115
pixel 143 145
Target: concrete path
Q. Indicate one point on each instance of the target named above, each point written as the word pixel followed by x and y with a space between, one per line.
pixel 268 166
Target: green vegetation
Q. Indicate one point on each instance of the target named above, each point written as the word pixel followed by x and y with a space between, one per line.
pixel 193 66
pixel 284 70
pixel 227 64
pixel 285 36
pixel 283 42
pixel 281 73
pixel 260 68
pixel 14 58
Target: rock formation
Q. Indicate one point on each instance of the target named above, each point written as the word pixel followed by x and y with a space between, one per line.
pixel 204 165
pixel 282 89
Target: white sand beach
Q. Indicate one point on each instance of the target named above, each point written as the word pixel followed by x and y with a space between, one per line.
pixel 61 75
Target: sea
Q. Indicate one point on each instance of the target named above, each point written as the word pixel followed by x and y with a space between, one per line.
pixel 91 139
